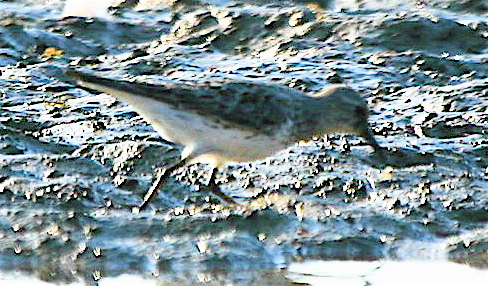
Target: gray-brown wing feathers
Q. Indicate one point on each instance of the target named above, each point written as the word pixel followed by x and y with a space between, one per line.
pixel 255 107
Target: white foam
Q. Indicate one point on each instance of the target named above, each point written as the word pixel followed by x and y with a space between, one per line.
pixel 87 8
pixel 385 273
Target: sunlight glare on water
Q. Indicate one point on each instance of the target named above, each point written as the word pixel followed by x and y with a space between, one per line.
pixel 385 273
pixel 87 8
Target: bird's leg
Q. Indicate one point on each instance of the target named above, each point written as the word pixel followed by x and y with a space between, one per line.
pixel 379 151
pixel 369 137
pixel 163 175
pixel 214 188
pixel 161 178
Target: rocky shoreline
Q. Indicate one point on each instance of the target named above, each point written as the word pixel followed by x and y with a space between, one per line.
pixel 75 162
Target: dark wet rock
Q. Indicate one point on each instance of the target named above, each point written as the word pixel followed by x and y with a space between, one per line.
pixel 425 67
pixel 234 32
pixel 435 35
pixel 34 42
pixel 472 6
pixel 106 33
pixel 51 180
pixel 195 4
pixel 451 129
pixel 471 254
pixel 353 248
pixel 470 214
pixel 131 157
pixel 126 4
pixel 9 56
pixel 355 189
pixel 402 158
pixel 470 248
pixel 74 162
pixel 480 155
pixel 19 143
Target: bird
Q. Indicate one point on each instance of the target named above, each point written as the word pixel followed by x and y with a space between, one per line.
pixel 222 121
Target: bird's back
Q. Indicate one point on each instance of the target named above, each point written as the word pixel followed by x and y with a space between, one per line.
pixel 260 108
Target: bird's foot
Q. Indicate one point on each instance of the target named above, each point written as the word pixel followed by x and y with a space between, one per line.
pixel 215 189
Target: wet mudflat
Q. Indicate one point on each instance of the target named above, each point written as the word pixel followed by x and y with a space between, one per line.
pixel 73 162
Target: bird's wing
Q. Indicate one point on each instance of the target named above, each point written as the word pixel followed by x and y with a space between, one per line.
pixel 259 108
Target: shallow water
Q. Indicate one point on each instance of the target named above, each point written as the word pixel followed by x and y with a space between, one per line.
pixel 73 162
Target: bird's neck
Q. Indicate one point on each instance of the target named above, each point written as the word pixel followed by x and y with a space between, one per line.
pixel 314 118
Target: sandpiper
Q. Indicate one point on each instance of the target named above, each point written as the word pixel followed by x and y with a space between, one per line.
pixel 224 121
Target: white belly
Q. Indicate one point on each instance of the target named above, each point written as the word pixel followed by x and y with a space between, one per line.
pixel 203 139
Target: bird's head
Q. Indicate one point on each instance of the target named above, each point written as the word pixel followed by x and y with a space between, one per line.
pixel 347 113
